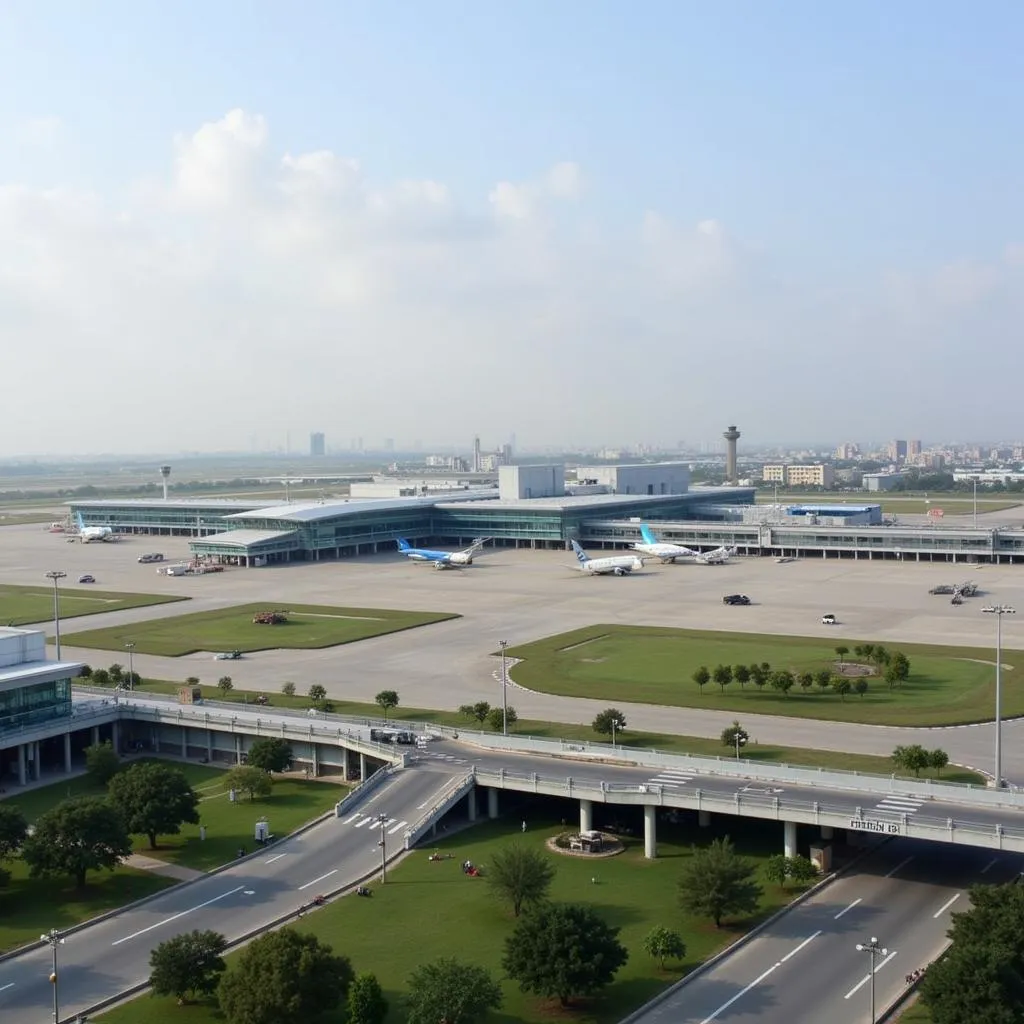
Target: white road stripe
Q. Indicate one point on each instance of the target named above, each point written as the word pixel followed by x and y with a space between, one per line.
pixel 392 831
pixel 945 906
pixel 352 818
pixel 419 807
pixel 845 909
pixel 856 988
pixel 991 864
pixel 360 824
pixel 807 941
pixel 276 857
pixel 320 879
pixel 4 988
pixel 174 917
pixel 902 864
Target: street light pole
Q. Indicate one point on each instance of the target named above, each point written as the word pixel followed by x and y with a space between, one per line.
pixel 975 502
pixel 382 820
pixel 873 949
pixel 130 647
pixel 999 610
pixel 504 689
pixel 613 731
pixel 53 939
pixel 55 575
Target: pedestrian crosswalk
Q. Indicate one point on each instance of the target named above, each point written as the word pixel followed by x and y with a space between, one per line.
pixel 899 804
pixel 671 778
pixel 360 820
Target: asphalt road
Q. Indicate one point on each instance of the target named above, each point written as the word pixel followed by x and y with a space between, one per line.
pixel 806 967
pixel 113 955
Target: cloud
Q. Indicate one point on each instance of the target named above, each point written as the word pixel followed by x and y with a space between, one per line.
pixel 245 291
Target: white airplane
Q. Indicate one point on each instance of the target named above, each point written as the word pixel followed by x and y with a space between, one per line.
pixel 617 565
pixel 658 549
pixel 717 557
pixel 87 534
pixel 442 559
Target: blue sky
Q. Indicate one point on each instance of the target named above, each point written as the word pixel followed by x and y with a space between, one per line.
pixel 843 143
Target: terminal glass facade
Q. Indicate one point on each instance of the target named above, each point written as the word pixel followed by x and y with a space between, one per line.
pixel 36 702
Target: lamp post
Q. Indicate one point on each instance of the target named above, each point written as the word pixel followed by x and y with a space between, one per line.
pixel 130 647
pixel 873 949
pixel 382 820
pixel 975 502
pixel 56 575
pixel 999 610
pixel 504 689
pixel 53 939
pixel 614 723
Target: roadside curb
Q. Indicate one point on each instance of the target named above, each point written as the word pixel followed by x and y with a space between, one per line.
pixel 742 941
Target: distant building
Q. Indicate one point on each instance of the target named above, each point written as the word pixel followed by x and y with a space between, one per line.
pixel 881 481
pixel 913 449
pixel 848 451
pixel 317 446
pixel 516 482
pixel 642 478
pixel 817 475
pixel 897 451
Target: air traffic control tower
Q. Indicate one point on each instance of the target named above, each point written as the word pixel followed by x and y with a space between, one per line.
pixel 732 435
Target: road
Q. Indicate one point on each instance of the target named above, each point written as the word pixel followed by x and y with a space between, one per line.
pixel 806 967
pixel 113 955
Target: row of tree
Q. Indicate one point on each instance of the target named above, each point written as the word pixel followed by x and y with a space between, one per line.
pixel 493 717
pixel 781 680
pixel 914 758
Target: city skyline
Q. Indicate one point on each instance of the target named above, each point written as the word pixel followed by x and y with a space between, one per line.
pixel 394 224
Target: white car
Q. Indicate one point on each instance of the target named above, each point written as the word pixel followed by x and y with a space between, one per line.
pixel 828 620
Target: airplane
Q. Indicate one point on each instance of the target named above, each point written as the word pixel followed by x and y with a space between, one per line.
pixel 717 557
pixel 87 534
pixel 658 549
pixel 617 565
pixel 442 559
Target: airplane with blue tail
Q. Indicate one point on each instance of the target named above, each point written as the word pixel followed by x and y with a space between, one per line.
pixel 87 534
pixel 442 559
pixel 615 565
pixel 661 549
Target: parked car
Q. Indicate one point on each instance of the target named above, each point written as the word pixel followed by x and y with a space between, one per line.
pixel 828 620
pixel 735 599
pixel 227 656
pixel 86 578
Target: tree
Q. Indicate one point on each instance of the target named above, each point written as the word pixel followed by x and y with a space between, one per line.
pixel 605 720
pixel 271 754
pixel 880 656
pixel 225 685
pixel 801 869
pixel 776 869
pixel 189 964
pixel 317 693
pixel 701 677
pixel 783 681
pixel 76 837
pixel 154 799
pixel 366 1003
pixel 901 664
pixel 758 676
pixel 858 651
pixel 102 762
pixel 823 677
pixel 937 759
pixel 842 651
pixel 730 734
pixel 249 779
pixel 480 710
pixel 116 673
pixel 742 675
pixel 100 677
pixel 806 681
pixel 842 687
pixel 284 977
pixel 911 758
pixel 496 718
pixel 288 689
pixel 860 686
pixel 559 949
pixel 447 991
pixel 192 680
pixel 386 700
pixel 717 881
pixel 891 676
pixel 723 675
pixel 520 875
pixel 868 651
pixel 13 830
pixel 662 944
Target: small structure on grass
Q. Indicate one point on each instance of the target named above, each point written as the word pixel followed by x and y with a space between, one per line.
pixel 269 618
pixel 591 843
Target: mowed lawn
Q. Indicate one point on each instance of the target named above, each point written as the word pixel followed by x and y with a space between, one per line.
pixel 947 685
pixel 21 605
pixel 229 629
pixel 428 910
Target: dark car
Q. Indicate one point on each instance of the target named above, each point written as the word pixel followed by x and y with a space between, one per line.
pixel 227 656
pixel 735 599
pixel 87 579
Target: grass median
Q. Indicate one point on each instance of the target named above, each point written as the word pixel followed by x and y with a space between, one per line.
pixel 231 629
pixel 22 605
pixel 652 665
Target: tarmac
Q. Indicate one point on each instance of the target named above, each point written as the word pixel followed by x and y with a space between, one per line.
pixel 523 595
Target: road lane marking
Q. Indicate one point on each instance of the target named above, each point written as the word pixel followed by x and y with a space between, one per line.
pixel 392 831
pixel 360 824
pixel 275 857
pixel 174 917
pixel 320 879
pixel 863 981
pixel 793 952
pixel 348 820
pixel 419 807
pixel 945 906
pixel 991 864
pixel 757 981
pixel 902 864
pixel 4 988
pixel 845 909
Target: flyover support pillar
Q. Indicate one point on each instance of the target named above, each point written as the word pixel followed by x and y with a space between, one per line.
pixel 184 742
pixel 344 763
pixel 492 802
pixel 827 832
pixel 115 737
pixel 238 749
pixel 314 760
pixel 67 753
pixel 650 831
pixel 209 746
pixel 22 775
pixel 37 768
pixel 362 767
pixel 789 838
pixel 471 804
pixel 95 736
pixel 586 815
pixel 704 819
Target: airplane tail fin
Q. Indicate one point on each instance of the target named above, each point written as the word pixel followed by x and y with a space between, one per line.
pixel 478 544
pixel 648 536
pixel 79 522
pixel 403 544
pixel 580 553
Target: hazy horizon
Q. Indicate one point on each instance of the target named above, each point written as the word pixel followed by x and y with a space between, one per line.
pixel 584 225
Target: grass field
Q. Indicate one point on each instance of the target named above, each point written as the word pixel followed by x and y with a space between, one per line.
pixel 228 629
pixel 21 605
pixel 947 685
pixel 915 1014
pixel 427 910
pixel 956 504
pixel 628 739
pixel 24 518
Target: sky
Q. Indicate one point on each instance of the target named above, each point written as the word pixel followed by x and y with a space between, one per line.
pixel 582 223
